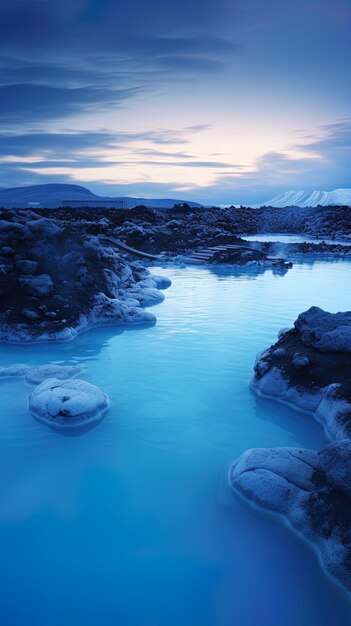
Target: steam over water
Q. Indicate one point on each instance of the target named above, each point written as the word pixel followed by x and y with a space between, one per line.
pixel 283 238
pixel 133 523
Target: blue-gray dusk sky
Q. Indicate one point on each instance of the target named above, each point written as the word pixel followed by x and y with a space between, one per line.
pixel 214 100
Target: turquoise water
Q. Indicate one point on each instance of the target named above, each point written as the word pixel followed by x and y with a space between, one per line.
pixel 284 238
pixel 133 523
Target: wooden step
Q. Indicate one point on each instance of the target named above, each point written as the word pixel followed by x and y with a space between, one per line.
pixel 218 248
pixel 191 260
pixel 202 255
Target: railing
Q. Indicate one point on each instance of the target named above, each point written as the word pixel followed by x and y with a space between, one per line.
pixel 123 246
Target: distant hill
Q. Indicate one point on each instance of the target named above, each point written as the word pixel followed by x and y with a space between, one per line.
pixel 338 197
pixel 55 195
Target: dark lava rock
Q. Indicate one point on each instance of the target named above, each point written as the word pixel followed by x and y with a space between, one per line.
pixel 308 367
pixel 41 285
pixel 81 282
pixel 27 267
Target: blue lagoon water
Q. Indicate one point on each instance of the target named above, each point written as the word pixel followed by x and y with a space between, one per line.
pixel 288 238
pixel 133 523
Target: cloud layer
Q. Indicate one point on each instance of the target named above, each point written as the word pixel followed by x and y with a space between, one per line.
pixel 198 95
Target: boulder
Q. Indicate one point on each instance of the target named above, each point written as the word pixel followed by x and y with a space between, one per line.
pixel 312 489
pixel 327 332
pixel 161 282
pixel 36 375
pixel 30 314
pixel 309 367
pixel 148 296
pixel 25 266
pixel 40 286
pixel 299 361
pixel 13 371
pixel 299 370
pixel 67 403
pixel 43 227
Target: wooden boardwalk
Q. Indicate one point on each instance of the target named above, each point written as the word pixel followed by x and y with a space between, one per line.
pixel 206 254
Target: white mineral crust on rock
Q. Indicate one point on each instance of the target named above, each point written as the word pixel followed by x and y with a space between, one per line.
pixel 67 403
pixel 308 368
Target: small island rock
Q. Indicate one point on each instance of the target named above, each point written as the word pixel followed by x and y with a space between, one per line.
pixel 67 403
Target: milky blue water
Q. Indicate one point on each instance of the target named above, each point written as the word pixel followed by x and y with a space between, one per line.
pixel 287 238
pixel 133 523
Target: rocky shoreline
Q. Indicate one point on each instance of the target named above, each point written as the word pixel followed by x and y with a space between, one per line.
pixel 182 229
pixel 308 368
pixel 302 249
pixel 56 281
pixel 57 278
pixel 59 399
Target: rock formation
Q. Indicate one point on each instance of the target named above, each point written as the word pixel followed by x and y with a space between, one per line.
pixel 309 367
pixel 63 404
pixel 57 280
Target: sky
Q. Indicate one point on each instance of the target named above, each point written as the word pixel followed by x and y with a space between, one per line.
pixel 217 101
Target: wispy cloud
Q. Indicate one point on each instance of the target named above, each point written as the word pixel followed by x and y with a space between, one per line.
pixel 35 103
pixel 83 157
pixel 103 154
pixel 142 78
pixel 323 163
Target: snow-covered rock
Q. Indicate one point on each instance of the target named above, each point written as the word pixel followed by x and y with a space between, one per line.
pixel 113 311
pixel 68 403
pixel 36 375
pixel 338 197
pixel 309 368
pixel 147 296
pixel 161 282
pixel 327 332
pixel 272 476
pixel 311 489
pixel 13 371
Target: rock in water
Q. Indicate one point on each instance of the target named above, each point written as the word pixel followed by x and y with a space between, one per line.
pixel 313 490
pixel 327 332
pixel 308 367
pixel 37 375
pixel 65 404
pixel 161 282
pixel 14 371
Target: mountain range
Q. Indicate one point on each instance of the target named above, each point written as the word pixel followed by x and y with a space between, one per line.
pixel 59 194
pixel 338 197
pixel 56 195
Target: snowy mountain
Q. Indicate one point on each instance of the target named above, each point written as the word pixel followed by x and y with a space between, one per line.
pixel 56 195
pixel 340 197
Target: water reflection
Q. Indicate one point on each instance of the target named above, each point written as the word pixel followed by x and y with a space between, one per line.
pixel 249 273
pixel 81 348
